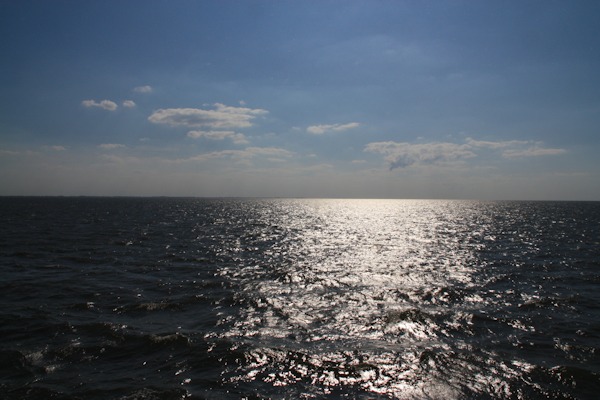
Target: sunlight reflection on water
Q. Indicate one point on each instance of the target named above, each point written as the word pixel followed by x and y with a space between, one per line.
pixel 373 295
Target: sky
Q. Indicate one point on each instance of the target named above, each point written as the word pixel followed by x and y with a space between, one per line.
pixel 359 99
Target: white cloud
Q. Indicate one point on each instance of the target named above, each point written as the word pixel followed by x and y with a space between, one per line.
pixel 401 155
pixel 110 146
pixel 237 138
pixel 143 89
pixel 104 104
pixel 532 152
pixel 321 129
pixel 516 148
pixel 129 103
pixel 496 145
pixel 221 117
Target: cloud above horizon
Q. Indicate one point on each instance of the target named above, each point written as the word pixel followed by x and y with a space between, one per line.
pixel 533 151
pixel 516 148
pixel 55 148
pixel 327 128
pixel 221 117
pixel 143 89
pixel 237 138
pixel 111 146
pixel 104 104
pixel 402 154
pixel 495 145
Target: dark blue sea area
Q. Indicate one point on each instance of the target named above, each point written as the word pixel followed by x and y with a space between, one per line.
pixel 185 298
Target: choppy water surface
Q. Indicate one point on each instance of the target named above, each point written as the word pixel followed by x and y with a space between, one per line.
pixel 188 298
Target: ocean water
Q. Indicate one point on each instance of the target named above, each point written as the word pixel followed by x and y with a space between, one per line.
pixel 167 298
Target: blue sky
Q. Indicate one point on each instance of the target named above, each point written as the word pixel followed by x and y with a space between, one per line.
pixel 402 99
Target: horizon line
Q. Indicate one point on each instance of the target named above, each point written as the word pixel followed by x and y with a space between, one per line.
pixel 286 198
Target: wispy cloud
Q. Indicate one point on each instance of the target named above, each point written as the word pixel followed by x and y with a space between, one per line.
pixel 237 138
pixel 111 146
pixel 322 129
pixel 401 155
pixel 532 152
pixel 143 89
pixel 517 148
pixel 221 117
pixel 104 104
pixel 129 103
pixel 496 145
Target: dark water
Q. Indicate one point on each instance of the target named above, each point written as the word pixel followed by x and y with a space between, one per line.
pixel 127 298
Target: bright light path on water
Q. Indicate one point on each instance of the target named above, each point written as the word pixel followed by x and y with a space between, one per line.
pixel 365 292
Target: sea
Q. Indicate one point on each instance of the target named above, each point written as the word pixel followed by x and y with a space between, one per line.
pixel 191 298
